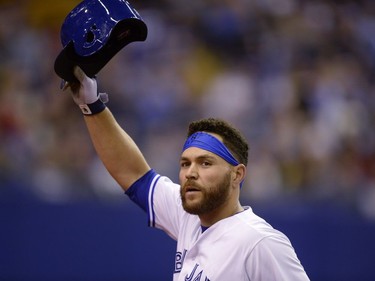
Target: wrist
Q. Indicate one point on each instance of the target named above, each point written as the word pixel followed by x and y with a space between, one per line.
pixel 92 108
pixel 95 107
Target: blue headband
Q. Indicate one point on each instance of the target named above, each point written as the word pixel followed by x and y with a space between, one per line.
pixel 210 143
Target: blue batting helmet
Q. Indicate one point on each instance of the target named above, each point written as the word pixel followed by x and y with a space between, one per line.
pixel 93 32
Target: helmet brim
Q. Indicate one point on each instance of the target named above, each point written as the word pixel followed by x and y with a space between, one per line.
pixel 126 31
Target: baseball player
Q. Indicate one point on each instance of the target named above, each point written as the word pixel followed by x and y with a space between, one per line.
pixel 218 239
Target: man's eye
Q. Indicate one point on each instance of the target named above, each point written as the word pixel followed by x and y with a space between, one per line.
pixel 206 163
pixel 184 164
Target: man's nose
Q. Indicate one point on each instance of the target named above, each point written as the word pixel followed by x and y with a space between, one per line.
pixel 192 172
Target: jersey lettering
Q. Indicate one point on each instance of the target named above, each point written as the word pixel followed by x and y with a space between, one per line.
pixel 179 260
pixel 193 277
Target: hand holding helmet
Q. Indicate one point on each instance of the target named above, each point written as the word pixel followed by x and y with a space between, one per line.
pixel 91 35
pixel 85 93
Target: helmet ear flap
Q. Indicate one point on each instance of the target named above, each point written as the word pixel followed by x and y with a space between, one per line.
pixel 93 32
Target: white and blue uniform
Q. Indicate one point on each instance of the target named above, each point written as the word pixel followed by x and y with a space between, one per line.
pixel 240 247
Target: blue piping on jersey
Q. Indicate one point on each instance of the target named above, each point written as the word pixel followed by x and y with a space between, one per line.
pixel 151 203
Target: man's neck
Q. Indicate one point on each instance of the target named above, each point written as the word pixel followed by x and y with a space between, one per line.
pixel 221 213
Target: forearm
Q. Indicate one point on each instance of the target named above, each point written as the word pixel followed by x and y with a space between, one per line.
pixel 116 149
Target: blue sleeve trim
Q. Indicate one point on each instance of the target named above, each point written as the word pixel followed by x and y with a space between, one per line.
pixel 141 193
pixel 151 221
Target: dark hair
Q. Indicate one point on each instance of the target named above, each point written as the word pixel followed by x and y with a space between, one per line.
pixel 232 138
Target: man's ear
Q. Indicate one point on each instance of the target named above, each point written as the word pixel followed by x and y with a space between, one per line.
pixel 239 172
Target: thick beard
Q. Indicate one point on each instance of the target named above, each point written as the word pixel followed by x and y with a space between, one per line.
pixel 211 200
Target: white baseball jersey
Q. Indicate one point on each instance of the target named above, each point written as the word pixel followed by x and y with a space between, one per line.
pixel 240 247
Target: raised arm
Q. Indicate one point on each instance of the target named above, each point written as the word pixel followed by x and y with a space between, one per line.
pixel 115 147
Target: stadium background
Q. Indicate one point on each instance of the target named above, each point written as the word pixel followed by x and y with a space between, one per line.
pixel 296 76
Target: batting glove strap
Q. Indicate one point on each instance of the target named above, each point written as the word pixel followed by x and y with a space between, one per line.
pixel 95 107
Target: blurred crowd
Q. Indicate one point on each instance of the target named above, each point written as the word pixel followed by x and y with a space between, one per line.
pixel 296 76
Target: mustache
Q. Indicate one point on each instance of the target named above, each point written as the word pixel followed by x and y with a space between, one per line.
pixel 191 185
